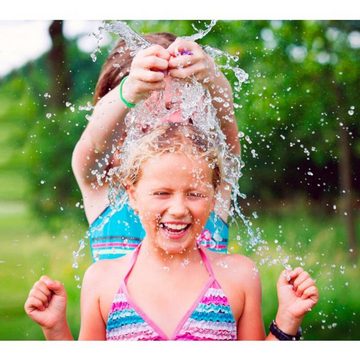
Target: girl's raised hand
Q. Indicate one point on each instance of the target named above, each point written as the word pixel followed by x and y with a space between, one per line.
pixel 189 59
pixel 297 295
pixel 147 73
pixel 46 303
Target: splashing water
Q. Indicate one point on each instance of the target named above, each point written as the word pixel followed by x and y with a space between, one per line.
pixel 76 254
pixel 133 40
pixel 193 101
pixel 135 43
pixel 201 33
pixel 230 64
pixel 98 36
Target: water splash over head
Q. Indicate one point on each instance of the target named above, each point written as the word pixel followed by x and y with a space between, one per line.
pixel 136 42
pixel 133 40
pixel 226 62
pixel 201 33
pixel 190 101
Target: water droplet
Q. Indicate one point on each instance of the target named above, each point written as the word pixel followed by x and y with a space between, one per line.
pixel 254 154
pixel 185 262
pixel 241 134
pixel 224 264
pixel 247 138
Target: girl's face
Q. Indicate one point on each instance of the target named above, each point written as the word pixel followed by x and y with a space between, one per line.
pixel 174 197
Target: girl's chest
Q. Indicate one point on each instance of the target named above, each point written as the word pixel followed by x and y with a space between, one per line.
pixel 162 303
pixel 168 301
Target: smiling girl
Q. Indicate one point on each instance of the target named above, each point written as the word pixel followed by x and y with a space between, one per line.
pixel 170 287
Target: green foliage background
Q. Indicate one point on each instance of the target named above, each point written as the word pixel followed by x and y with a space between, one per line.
pixel 303 83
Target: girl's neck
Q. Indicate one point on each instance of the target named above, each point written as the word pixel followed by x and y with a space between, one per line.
pixel 158 256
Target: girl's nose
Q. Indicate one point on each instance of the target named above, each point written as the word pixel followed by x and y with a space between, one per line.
pixel 178 207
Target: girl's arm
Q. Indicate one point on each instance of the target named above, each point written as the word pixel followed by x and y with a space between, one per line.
pixel 46 305
pixel 106 127
pixel 250 324
pixel 92 326
pixel 297 295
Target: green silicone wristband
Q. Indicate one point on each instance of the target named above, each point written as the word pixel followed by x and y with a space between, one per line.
pixel 127 103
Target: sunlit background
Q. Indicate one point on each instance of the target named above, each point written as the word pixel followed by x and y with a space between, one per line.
pixel 298 116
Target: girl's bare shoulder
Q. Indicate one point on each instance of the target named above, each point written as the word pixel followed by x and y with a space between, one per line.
pixel 234 268
pixel 104 270
pixel 237 275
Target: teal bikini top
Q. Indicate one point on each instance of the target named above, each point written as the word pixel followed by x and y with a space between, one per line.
pixel 115 233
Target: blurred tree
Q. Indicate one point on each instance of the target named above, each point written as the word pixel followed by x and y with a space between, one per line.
pixel 306 76
pixel 60 78
pixel 294 110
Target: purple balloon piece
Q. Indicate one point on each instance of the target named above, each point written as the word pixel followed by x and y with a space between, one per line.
pixel 186 52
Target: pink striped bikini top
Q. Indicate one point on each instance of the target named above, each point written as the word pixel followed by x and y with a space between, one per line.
pixel 209 318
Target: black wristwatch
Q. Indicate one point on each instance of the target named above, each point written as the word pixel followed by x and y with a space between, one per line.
pixel 280 335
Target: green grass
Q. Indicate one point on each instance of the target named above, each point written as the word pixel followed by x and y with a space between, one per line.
pixel 27 253
pixel 13 187
pixel 314 242
pixel 318 244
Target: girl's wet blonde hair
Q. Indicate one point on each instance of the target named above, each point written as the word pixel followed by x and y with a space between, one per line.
pixel 166 138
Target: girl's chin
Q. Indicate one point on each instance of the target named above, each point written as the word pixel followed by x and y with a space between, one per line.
pixel 176 245
pixel 176 248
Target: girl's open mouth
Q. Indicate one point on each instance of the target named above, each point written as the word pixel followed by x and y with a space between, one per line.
pixel 174 231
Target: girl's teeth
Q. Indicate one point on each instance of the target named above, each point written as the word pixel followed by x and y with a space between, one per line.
pixel 175 227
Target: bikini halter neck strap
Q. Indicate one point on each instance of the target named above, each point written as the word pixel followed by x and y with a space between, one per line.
pixel 206 262
pixel 202 252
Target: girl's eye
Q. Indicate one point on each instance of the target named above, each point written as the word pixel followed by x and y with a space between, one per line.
pixel 160 193
pixel 196 195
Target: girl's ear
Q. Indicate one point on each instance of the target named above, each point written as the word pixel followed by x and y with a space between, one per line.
pixel 213 204
pixel 130 189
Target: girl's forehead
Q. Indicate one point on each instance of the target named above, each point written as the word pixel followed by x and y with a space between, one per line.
pixel 169 166
pixel 177 160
